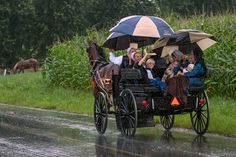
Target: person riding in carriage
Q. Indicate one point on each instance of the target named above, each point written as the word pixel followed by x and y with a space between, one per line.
pixel 124 61
pixel 199 70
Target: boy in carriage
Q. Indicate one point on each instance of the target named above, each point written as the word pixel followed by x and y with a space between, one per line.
pixel 147 68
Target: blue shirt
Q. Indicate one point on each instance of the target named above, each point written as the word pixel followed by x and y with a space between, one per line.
pixel 198 71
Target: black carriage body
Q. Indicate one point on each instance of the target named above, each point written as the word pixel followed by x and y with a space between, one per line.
pixel 152 101
pixel 135 105
pixel 159 102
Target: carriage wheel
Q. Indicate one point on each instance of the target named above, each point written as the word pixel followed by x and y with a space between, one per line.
pixel 167 121
pixel 200 116
pixel 100 112
pixel 128 113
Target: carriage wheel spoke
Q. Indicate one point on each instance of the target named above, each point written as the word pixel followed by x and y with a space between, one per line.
pixel 197 124
pixel 167 121
pixel 193 117
pixel 131 121
pixel 100 112
pixel 195 121
pixel 203 124
pixel 133 118
pixel 128 113
pixel 124 107
pixel 204 115
pixel 200 124
pixel 203 120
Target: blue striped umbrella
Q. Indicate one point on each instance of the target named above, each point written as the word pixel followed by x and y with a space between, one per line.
pixel 143 26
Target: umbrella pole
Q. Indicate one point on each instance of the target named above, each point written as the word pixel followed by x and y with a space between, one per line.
pixel 142 51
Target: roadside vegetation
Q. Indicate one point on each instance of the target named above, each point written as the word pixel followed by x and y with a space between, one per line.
pixel 31 90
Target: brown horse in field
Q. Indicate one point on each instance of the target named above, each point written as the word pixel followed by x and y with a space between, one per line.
pixel 102 70
pixel 25 64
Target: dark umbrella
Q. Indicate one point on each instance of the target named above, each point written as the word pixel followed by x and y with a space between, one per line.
pixel 184 40
pixel 120 41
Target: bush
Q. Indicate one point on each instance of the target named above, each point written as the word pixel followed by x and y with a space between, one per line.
pixel 67 64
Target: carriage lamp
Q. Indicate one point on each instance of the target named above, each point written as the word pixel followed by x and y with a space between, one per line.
pixel 201 101
pixel 145 103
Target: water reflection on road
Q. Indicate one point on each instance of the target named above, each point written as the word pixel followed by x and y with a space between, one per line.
pixel 30 132
pixel 166 146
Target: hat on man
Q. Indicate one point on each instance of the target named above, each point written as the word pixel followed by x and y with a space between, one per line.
pixel 132 46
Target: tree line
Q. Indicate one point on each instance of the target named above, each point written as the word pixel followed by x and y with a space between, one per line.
pixel 29 27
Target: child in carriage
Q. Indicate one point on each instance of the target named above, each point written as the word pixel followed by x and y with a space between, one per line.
pixel 148 67
pixel 169 72
pixel 189 68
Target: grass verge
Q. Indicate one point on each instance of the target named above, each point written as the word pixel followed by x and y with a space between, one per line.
pixel 31 90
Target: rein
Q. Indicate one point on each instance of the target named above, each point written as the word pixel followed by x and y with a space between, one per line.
pixel 95 61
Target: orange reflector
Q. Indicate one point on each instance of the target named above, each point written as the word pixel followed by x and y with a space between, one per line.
pixel 175 102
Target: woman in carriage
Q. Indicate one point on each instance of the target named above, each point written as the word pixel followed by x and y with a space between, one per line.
pixel 198 71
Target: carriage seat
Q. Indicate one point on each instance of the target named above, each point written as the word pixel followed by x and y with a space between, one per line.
pixel 131 74
pixel 152 89
pixel 197 88
pixel 136 75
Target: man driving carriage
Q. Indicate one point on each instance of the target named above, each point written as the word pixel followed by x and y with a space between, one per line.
pixel 124 61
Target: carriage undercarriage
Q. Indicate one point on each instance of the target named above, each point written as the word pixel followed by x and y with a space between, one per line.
pixel 136 104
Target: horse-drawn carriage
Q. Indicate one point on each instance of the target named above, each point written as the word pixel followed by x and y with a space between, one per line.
pixel 135 104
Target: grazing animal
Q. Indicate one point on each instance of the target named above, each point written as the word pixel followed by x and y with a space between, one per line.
pixel 21 65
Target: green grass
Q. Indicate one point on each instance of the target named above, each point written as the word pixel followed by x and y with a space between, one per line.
pixel 31 90
pixel 222 116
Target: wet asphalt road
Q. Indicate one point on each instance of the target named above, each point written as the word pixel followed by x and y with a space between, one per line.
pixel 28 132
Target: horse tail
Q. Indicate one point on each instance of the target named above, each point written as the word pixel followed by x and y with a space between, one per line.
pixel 14 70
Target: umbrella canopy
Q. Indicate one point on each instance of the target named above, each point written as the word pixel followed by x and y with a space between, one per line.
pixel 184 40
pixel 143 26
pixel 120 41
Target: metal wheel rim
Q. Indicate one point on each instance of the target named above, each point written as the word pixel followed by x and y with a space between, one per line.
pixel 100 112
pixel 167 121
pixel 128 113
pixel 200 117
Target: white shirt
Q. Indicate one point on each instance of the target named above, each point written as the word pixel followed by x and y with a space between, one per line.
pixel 185 70
pixel 149 73
pixel 115 60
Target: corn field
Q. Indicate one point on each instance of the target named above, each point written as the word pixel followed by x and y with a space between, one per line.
pixel 67 64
